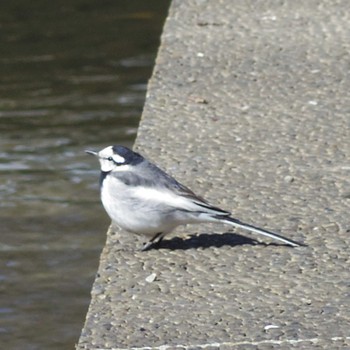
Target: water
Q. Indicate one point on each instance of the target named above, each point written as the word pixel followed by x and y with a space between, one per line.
pixel 73 77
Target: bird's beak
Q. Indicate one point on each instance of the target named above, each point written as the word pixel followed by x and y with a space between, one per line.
pixel 93 153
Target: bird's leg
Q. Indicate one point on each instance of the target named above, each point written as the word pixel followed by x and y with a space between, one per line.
pixel 155 240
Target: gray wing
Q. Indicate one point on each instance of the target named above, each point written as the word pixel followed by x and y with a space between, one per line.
pixel 149 175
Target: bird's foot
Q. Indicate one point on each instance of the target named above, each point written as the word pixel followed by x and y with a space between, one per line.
pixel 153 243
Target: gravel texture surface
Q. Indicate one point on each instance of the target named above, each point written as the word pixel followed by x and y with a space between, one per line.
pixel 249 107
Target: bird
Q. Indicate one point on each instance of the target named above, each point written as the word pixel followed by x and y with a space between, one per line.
pixel 141 198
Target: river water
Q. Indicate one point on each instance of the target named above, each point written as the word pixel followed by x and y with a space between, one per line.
pixel 73 77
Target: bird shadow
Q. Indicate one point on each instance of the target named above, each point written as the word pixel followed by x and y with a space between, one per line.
pixel 206 240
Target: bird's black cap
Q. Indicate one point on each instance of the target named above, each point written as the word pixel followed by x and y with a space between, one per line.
pixel 130 156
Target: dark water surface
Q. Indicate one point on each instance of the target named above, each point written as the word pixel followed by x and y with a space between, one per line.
pixel 73 76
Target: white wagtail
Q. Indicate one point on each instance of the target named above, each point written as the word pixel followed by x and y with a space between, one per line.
pixel 143 199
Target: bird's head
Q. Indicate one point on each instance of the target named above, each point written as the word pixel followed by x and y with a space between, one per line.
pixel 116 158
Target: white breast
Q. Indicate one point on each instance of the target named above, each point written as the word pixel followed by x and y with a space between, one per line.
pixel 140 210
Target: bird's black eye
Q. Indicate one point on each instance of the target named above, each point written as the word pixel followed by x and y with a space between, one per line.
pixel 115 159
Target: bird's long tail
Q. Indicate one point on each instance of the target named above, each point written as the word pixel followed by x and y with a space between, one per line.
pixel 237 223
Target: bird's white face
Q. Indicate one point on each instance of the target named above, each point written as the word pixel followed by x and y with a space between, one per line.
pixel 117 158
pixel 111 161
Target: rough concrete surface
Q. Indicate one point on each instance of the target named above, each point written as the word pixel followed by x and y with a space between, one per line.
pixel 249 106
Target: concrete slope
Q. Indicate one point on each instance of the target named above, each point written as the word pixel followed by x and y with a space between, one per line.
pixel 248 106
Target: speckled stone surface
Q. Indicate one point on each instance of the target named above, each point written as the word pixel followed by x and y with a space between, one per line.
pixel 249 106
